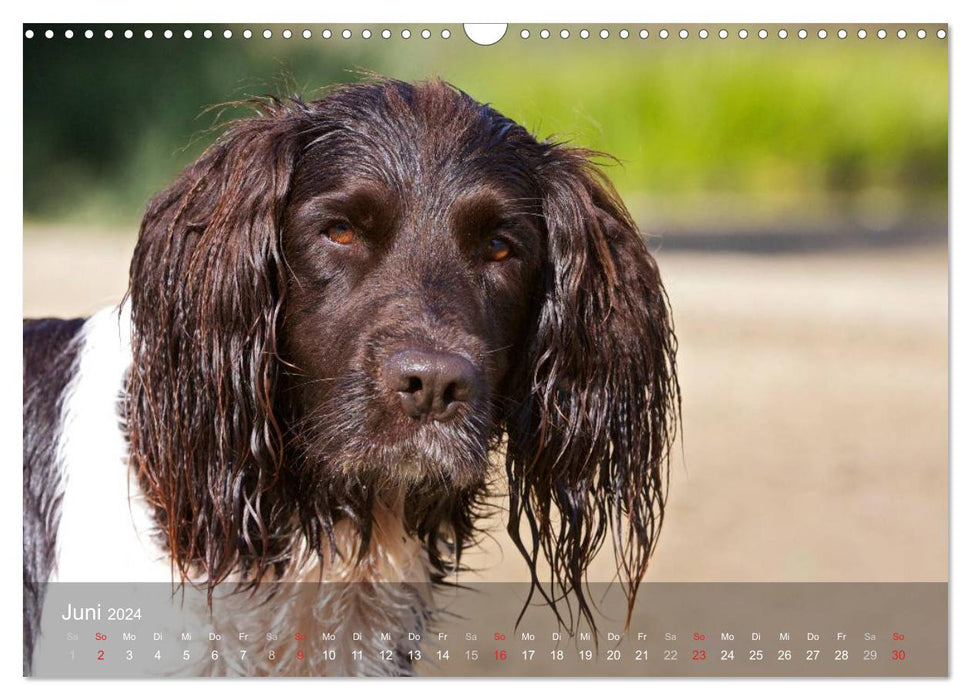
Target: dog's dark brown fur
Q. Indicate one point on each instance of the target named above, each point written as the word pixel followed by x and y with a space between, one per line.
pixel 258 414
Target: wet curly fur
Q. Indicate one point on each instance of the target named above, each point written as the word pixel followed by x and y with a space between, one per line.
pixel 256 414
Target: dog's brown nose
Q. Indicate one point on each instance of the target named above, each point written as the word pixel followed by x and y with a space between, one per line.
pixel 432 384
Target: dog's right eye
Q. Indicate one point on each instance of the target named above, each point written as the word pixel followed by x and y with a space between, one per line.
pixel 498 249
pixel 342 234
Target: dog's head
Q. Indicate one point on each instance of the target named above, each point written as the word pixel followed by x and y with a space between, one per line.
pixel 361 299
pixel 413 241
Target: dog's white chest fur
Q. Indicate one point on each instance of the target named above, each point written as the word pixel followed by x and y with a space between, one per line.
pixel 106 534
pixel 105 526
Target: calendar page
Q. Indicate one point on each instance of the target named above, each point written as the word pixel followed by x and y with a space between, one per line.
pixel 611 350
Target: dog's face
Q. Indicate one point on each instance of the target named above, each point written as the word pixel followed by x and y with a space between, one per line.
pixel 414 264
pixel 346 304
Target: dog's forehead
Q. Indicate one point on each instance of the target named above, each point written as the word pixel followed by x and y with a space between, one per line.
pixel 424 139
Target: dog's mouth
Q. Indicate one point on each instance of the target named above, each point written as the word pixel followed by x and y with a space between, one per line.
pixel 430 452
pixel 412 453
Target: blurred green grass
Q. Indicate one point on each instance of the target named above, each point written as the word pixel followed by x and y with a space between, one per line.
pixel 786 124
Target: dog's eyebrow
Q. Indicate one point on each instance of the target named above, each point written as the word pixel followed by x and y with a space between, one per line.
pixel 355 199
pixel 483 208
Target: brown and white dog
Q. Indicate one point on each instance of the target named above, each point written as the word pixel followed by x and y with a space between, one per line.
pixel 336 316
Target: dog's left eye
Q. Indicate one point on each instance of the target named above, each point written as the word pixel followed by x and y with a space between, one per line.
pixel 498 249
pixel 342 234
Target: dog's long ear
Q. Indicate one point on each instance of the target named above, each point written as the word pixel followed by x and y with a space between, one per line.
pixel 588 450
pixel 205 291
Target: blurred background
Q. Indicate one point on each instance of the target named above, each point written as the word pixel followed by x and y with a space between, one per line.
pixel 794 192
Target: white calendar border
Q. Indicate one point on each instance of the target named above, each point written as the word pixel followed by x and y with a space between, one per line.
pixel 511 11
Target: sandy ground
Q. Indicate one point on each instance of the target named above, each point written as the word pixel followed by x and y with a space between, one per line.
pixel 815 409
